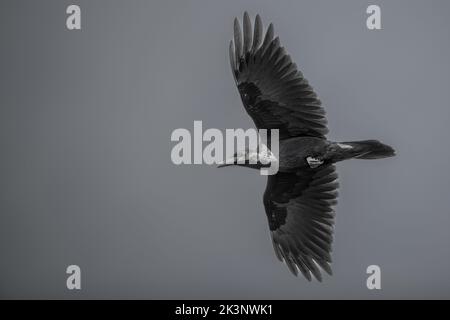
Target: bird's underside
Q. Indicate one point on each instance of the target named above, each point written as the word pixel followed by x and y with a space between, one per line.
pixel 299 199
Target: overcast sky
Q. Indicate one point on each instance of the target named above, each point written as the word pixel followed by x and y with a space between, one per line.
pixel 86 176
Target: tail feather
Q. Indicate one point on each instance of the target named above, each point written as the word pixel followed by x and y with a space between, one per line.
pixel 367 149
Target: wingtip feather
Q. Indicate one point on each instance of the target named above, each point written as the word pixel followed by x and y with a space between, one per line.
pixel 237 39
pixel 247 32
pixel 257 35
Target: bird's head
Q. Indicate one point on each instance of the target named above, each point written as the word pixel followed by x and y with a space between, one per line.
pixel 255 159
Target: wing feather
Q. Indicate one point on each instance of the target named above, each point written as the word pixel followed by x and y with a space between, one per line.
pixel 301 218
pixel 237 40
pixel 247 33
pixel 258 32
pixel 274 93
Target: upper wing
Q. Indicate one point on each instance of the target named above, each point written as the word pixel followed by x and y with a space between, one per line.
pixel 299 209
pixel 275 94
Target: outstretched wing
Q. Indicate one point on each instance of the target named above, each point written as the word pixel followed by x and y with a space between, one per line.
pixel 274 93
pixel 301 219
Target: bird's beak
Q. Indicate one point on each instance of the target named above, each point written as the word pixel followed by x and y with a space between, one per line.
pixel 226 163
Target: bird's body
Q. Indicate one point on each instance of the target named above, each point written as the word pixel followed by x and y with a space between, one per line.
pixel 294 152
pixel 298 200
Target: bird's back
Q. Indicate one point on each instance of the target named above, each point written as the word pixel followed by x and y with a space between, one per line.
pixel 294 151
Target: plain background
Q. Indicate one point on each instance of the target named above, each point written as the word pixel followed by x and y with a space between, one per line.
pixel 86 176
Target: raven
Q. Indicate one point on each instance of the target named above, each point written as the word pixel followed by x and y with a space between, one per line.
pixel 298 200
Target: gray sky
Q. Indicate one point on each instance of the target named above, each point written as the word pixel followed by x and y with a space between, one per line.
pixel 85 124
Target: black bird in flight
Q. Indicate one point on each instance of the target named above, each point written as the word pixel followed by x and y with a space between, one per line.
pixel 298 199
